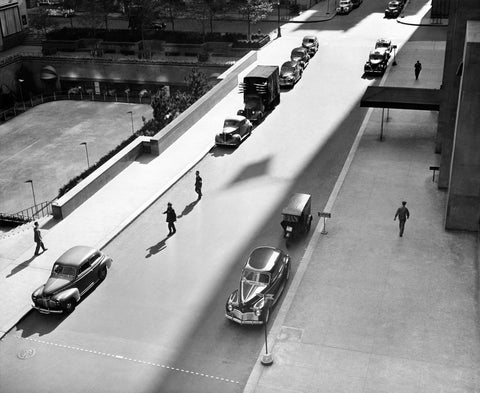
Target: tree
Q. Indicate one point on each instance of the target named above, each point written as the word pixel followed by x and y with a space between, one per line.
pixel 197 84
pixel 142 14
pixel 254 11
pixel 162 108
pixel 170 9
pixel 206 9
pixel 93 17
pixel 41 21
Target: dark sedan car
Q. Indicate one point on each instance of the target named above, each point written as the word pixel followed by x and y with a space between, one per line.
pixel 73 274
pixel 310 43
pixel 290 73
pixel 235 130
pixel 301 56
pixel 393 9
pixel 264 275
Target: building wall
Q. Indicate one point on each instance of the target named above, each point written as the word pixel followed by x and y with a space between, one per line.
pixel 13 22
pixel 463 202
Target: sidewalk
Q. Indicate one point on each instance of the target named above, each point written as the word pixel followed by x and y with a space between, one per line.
pixel 369 311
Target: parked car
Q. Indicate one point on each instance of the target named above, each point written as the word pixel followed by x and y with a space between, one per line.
pixel 394 8
pixel 296 217
pixel 356 3
pixel 377 62
pixel 60 11
pixel 344 7
pixel 310 43
pixel 73 275
pixel 301 56
pixel 290 73
pixel 235 130
pixel 386 44
pixel 264 275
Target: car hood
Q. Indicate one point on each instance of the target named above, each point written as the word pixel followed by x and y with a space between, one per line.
pixel 53 285
pixel 286 74
pixel 249 291
pixel 375 61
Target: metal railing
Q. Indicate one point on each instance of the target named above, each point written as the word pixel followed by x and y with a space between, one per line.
pixel 84 95
pixel 31 213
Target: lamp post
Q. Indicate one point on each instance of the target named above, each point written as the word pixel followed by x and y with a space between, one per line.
pixel 279 32
pixel 21 91
pixel 86 152
pixel 33 191
pixel 394 52
pixel 267 356
pixel 131 118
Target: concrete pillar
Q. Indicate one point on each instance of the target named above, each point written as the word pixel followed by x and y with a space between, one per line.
pixel 463 201
pixel 460 11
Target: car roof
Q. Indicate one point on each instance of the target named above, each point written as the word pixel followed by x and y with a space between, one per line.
pixel 309 37
pixel 75 256
pixel 296 204
pixel 300 48
pixel 383 40
pixel 235 118
pixel 263 258
pixel 291 63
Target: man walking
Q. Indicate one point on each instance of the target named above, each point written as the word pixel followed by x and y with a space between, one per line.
pixel 37 237
pixel 171 218
pixel 198 184
pixel 403 214
pixel 418 68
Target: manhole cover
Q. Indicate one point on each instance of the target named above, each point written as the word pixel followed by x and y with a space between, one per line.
pixel 26 353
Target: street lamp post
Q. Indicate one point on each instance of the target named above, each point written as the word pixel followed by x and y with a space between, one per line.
pixel 33 191
pixel 131 118
pixel 86 152
pixel 267 356
pixel 394 52
pixel 279 32
pixel 21 92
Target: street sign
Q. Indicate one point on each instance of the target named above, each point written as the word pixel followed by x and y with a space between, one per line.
pixel 324 214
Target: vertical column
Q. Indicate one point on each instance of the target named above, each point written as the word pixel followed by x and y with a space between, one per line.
pixel 463 202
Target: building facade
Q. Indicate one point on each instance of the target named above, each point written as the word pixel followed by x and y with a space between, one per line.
pixel 13 23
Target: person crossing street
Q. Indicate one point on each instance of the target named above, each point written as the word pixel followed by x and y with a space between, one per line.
pixel 171 218
pixel 198 184
pixel 403 215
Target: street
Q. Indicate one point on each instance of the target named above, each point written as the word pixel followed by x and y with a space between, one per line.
pixel 157 323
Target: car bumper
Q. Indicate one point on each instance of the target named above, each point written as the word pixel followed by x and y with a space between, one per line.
pixel 44 310
pixel 287 82
pixel 247 318
pixel 47 306
pixel 374 70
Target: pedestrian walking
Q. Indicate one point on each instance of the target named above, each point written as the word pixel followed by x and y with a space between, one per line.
pixel 403 215
pixel 37 237
pixel 418 68
pixel 171 218
pixel 198 184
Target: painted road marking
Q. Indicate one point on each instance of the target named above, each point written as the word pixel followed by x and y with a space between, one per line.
pixel 120 357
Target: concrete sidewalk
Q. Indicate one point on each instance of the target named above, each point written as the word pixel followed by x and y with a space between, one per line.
pixel 369 311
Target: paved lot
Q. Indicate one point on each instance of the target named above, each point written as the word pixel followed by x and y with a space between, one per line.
pixel 43 144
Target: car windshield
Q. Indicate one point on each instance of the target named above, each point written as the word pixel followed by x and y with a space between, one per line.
pixel 308 40
pixel 62 271
pixel 382 44
pixel 287 68
pixel 257 277
pixel 344 2
pixel 290 218
pixel 297 53
pixel 230 123
pixel 376 56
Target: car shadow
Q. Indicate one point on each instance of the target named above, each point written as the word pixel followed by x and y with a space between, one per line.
pixel 220 151
pixel 156 248
pixel 187 209
pixel 21 266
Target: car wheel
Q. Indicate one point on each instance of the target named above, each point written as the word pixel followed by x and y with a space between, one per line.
pixel 70 305
pixel 102 274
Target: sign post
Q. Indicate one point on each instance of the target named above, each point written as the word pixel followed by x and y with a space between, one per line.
pixel 325 215
pixel 267 357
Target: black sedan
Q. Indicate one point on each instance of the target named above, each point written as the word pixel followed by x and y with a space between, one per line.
pixel 300 55
pixel 393 9
pixel 73 275
pixel 290 73
pixel 264 277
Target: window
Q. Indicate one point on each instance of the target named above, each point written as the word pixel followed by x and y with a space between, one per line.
pixel 84 267
pixel 10 21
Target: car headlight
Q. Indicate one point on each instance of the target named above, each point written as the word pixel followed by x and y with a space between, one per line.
pixel 258 312
pixel 230 307
pixel 289 229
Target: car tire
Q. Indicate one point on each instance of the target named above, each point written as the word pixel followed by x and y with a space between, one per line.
pixel 102 274
pixel 70 305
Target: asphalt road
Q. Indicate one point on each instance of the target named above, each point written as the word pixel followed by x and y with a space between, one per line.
pixel 157 323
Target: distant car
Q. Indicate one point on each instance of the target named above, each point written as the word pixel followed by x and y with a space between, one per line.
pixel 394 8
pixel 377 62
pixel 290 73
pixel 300 55
pixel 60 11
pixel 310 43
pixel 264 275
pixel 73 274
pixel 386 44
pixel 344 7
pixel 356 3
pixel 235 130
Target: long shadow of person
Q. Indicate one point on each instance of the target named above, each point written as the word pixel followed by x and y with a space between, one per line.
pixel 188 208
pixel 156 248
pixel 20 267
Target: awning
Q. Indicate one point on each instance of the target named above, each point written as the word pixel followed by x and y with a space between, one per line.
pixel 48 72
pixel 401 98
